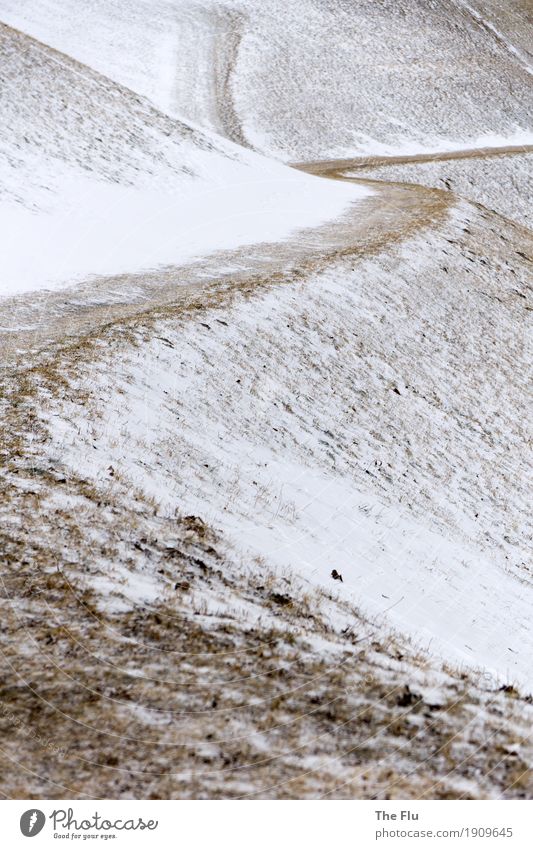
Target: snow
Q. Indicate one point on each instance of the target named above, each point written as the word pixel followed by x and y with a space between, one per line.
pixel 100 191
pixel 242 69
pixel 501 37
pixel 390 78
pixel 347 388
pixel 75 202
pixel 93 228
pixel 133 43
pixel 446 595
pixel 280 429
pixel 406 147
pixel 503 183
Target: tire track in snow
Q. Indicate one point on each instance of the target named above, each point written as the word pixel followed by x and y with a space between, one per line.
pixel 203 88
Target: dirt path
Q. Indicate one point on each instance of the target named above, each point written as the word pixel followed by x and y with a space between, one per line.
pixel 395 210
pixel 41 320
pixel 207 46
pixel 336 168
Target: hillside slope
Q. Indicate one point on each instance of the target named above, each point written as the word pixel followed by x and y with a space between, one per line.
pixel 372 420
pixel 178 488
pixel 247 377
pixel 501 183
pixel 96 181
pixel 383 76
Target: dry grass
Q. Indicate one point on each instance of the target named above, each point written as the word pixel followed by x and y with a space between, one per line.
pixel 232 681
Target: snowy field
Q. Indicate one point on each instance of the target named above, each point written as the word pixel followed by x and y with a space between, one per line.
pixel 503 184
pixel 225 377
pixel 383 76
pixel 104 183
pixel 349 442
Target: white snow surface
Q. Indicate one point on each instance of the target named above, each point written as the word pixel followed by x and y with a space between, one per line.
pixel 501 37
pixel 91 228
pixel 373 85
pixel 97 180
pixel 503 183
pixel 368 437
pixel 99 183
pixel 385 77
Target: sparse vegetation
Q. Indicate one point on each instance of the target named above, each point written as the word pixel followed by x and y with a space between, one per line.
pixel 264 516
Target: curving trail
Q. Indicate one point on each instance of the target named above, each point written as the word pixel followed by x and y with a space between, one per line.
pixel 43 320
pixel 337 168
pixel 39 321
pixel 102 664
pixel 393 212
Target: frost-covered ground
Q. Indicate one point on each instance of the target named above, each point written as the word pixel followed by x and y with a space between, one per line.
pixel 509 24
pixel 250 376
pixel 374 86
pixel 352 441
pixel 504 184
pixel 306 79
pixel 103 183
pixel 180 486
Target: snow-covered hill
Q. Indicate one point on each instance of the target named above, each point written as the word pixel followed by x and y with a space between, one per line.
pixel 248 377
pixel 180 485
pixel 371 420
pixel 501 183
pixel 308 79
pixel 94 180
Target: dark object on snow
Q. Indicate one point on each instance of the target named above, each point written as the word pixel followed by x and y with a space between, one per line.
pixel 407 698
pixel 336 575
pixel 281 598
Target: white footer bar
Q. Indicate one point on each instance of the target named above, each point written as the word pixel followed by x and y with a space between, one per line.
pixel 267 825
